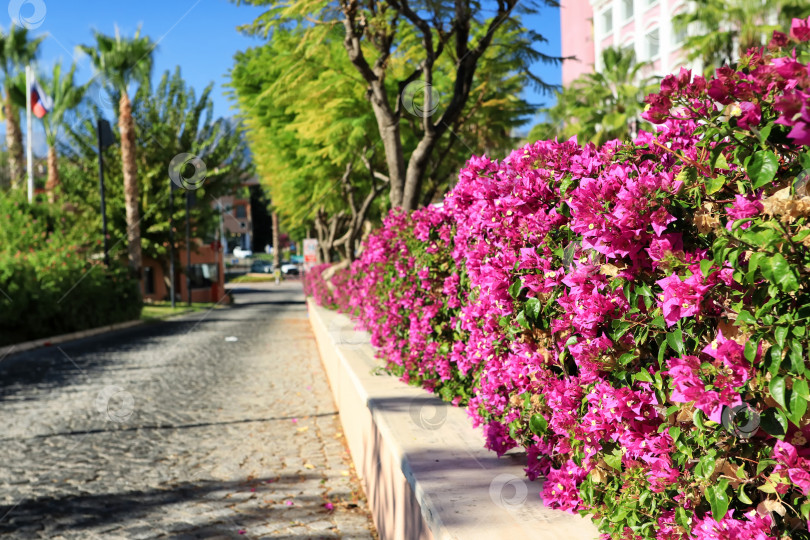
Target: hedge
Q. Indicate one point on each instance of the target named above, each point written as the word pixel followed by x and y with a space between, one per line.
pixel 634 316
pixel 50 283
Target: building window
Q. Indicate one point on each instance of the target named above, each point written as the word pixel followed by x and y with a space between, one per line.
pixel 679 36
pixel 148 280
pixel 628 9
pixel 607 20
pixel 629 49
pixel 203 275
pixel 241 211
pixel 653 46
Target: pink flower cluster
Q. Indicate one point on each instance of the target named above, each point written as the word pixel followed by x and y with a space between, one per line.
pixel 334 293
pixel 554 291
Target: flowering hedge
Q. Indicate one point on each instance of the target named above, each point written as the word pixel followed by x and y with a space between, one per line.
pixel 634 316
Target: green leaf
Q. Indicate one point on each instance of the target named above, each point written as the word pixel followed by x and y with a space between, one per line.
pixel 775 363
pixel 533 308
pixel 675 340
pixel 706 267
pixel 800 388
pixel 717 160
pixel 774 423
pixel 614 459
pixel 687 175
pixel 762 168
pixel 697 419
pixel 797 406
pixel 778 271
pixel 713 185
pixel 801 235
pixel 718 499
pixel 683 517
pixel 767 488
pixel 514 288
pixel 805 510
pixel 777 389
pixel 780 334
pixel 742 497
pixel 538 423
pixel 705 466
pixel 797 363
pixel 745 317
pixel 521 320
pixel 641 375
pixel 764 464
pixel 674 432
pixel 750 350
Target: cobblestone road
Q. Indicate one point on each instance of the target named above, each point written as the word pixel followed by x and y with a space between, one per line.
pixel 214 426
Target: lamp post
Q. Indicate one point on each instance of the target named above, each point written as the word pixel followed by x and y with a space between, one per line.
pixel 188 245
pixel 105 139
pixel 172 187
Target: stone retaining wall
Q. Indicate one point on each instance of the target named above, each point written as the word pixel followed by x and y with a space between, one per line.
pixel 425 470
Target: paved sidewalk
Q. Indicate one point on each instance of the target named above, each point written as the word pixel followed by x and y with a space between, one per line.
pixel 220 425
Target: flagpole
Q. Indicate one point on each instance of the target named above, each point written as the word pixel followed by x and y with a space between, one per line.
pixel 30 137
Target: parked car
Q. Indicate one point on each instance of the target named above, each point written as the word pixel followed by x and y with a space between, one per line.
pixel 242 253
pixel 289 269
pixel 261 267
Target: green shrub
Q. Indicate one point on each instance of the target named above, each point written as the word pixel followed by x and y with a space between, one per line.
pixel 52 281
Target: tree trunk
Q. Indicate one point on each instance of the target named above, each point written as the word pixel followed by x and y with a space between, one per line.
pixel 126 126
pixel 417 166
pixel 276 244
pixel 53 174
pixel 16 160
pixel 388 124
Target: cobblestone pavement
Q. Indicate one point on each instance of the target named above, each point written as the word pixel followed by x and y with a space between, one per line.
pixel 219 425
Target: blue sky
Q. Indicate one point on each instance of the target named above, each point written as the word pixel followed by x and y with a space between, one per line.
pixel 198 35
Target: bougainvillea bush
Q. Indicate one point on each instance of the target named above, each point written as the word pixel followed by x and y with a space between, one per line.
pixel 636 315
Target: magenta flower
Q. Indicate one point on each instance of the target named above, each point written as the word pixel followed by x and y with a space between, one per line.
pixel 743 207
pixel 751 115
pixel 681 299
pixel 800 29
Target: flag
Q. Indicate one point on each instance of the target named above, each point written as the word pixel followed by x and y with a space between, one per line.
pixel 41 103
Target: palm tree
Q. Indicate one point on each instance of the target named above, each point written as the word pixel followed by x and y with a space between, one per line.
pixel 720 31
pixel 66 96
pixel 601 106
pixel 16 51
pixel 122 61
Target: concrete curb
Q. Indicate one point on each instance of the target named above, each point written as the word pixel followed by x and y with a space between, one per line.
pixel 424 468
pixel 55 340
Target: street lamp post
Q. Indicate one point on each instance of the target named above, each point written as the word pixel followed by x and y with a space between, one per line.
pixel 188 245
pixel 171 241
pixel 105 139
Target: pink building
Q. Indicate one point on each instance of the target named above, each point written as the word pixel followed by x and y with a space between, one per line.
pixel 576 25
pixel 590 26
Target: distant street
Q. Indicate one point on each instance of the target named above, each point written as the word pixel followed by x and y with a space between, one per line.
pixel 219 425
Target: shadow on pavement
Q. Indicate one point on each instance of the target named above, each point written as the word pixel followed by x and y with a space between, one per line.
pixel 137 513
pixel 146 427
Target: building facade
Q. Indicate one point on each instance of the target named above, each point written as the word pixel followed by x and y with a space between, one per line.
pixel 590 26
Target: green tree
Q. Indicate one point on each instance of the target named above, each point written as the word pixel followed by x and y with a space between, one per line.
pixel 16 52
pixel 391 44
pixel 315 140
pixel 598 107
pixel 122 61
pixel 170 120
pixel 720 31
pixel 66 96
